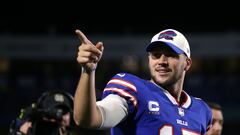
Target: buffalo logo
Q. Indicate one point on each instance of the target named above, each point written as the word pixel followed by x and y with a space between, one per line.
pixel 167 35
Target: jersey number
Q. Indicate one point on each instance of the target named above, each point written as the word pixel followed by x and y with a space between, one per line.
pixel 168 130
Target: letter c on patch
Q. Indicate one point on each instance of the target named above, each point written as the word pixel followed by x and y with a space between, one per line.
pixel 153 106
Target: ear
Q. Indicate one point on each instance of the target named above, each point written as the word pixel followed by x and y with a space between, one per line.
pixel 188 64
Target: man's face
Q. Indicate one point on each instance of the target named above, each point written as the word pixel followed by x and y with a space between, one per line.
pixel 66 120
pixel 217 124
pixel 167 67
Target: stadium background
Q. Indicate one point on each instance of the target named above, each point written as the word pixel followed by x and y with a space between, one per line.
pixel 38 48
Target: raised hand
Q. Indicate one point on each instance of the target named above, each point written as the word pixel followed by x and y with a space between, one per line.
pixel 88 53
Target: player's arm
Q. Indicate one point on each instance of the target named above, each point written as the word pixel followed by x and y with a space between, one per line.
pixel 86 112
pixel 113 109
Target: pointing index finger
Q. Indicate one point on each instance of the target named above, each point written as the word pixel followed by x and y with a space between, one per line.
pixel 82 37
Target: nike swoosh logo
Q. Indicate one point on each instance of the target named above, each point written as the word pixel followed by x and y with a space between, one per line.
pixel 121 75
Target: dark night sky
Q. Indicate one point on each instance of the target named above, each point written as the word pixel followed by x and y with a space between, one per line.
pixel 115 17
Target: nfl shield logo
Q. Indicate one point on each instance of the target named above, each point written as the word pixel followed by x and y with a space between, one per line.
pixel 181 112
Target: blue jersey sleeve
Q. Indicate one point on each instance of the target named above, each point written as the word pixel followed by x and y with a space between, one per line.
pixel 206 112
pixel 123 85
pixel 209 116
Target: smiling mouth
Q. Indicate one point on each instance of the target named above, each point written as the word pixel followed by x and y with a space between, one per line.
pixel 163 71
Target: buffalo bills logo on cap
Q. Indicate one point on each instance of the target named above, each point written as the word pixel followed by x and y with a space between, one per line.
pixel 167 35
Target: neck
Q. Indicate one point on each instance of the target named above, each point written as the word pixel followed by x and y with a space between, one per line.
pixel 175 89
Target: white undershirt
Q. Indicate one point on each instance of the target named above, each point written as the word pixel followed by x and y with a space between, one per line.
pixel 113 109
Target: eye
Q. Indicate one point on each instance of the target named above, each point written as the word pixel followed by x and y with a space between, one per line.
pixel 155 55
pixel 171 54
pixel 214 121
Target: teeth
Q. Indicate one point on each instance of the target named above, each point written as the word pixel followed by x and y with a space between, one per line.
pixel 161 71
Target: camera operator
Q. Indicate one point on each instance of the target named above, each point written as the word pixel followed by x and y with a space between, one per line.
pixel 22 125
pixel 51 115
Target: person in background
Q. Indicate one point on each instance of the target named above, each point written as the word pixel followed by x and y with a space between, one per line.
pixel 51 115
pixel 217 123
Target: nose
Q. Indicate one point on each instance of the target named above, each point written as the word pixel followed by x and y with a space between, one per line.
pixel 162 60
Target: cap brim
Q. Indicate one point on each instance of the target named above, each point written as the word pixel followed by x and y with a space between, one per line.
pixel 159 43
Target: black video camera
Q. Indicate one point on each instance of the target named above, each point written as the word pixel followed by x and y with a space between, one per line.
pixel 54 104
pixel 46 114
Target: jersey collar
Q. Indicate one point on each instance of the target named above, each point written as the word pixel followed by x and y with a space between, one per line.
pixel 185 104
pixel 187 98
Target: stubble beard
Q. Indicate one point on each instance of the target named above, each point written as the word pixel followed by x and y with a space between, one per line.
pixel 166 81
